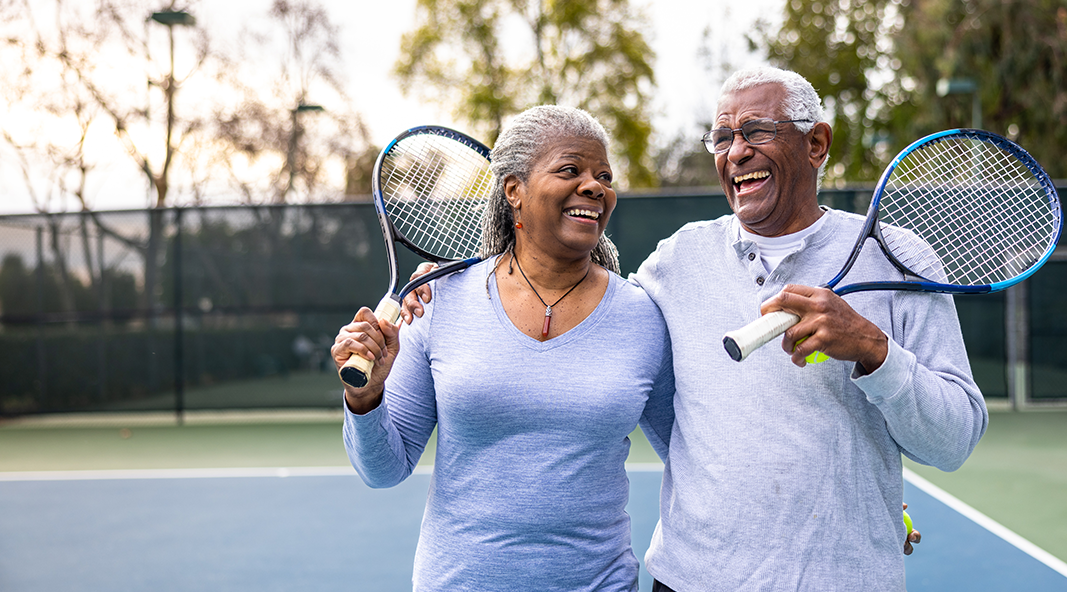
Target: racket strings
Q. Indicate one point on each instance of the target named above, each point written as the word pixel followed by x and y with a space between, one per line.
pixel 980 214
pixel 435 189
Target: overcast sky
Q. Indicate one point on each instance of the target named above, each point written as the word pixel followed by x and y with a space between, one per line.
pixel 683 92
pixel 370 34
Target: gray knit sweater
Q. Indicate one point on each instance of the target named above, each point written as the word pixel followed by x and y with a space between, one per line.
pixel 787 478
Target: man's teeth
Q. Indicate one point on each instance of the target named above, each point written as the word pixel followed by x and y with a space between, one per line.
pixel 751 177
pixel 584 214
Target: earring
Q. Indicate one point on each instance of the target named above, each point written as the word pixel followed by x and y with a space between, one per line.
pixel 518 225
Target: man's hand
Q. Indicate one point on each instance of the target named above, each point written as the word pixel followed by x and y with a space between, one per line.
pixel 829 325
pixel 913 537
pixel 413 301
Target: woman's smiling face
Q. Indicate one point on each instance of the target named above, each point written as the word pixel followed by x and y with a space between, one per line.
pixel 565 204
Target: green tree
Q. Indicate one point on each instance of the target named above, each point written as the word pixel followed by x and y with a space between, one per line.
pixel 844 48
pixel 489 59
pixel 877 64
pixel 17 288
pixel 1016 52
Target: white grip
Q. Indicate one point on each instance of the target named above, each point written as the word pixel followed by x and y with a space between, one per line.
pixel 388 309
pixel 356 371
pixel 741 342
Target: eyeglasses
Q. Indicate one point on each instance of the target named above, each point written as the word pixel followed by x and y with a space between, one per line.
pixel 756 132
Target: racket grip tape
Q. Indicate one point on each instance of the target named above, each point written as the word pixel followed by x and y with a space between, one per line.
pixel 356 371
pixel 742 342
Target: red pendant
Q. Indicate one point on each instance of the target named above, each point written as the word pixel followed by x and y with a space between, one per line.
pixel 548 321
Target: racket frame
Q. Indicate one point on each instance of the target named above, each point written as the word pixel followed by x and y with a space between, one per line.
pixel 871 228
pixel 741 342
pixel 356 371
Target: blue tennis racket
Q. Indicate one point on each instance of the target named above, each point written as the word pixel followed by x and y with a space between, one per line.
pixel 961 211
pixel 431 185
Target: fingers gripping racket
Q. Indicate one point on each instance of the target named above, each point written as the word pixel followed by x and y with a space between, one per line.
pixel 430 188
pixel 961 211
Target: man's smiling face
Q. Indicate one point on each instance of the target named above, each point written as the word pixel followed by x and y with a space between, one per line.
pixel 771 187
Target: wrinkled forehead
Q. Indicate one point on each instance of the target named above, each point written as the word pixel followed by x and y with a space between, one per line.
pixel 751 102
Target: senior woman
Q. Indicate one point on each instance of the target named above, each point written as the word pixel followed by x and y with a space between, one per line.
pixel 534 366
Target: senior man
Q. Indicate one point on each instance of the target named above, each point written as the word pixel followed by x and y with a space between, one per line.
pixel 784 475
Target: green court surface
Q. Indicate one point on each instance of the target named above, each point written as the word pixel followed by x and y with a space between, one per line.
pixel 1017 475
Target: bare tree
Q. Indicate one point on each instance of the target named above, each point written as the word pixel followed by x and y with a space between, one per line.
pixel 82 65
pixel 124 29
pixel 92 75
pixel 176 101
pixel 299 141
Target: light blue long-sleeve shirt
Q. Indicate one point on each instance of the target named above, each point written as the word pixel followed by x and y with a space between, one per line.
pixel 787 478
pixel 529 487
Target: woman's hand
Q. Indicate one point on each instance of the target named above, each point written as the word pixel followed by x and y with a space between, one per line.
pixel 375 340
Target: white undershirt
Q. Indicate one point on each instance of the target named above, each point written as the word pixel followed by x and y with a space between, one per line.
pixel 772 249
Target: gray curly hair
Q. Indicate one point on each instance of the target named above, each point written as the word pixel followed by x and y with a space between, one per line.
pixel 515 153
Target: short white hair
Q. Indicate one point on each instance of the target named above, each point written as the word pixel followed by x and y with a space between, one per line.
pixel 801 100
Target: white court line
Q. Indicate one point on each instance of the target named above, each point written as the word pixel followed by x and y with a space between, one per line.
pixel 104 475
pixel 644 467
pixel 934 491
pixel 986 522
pixel 220 473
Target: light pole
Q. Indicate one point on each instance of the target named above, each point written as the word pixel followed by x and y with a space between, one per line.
pixel 295 131
pixel 169 19
pixel 963 86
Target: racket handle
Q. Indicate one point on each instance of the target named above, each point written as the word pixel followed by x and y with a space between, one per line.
pixel 356 371
pixel 741 342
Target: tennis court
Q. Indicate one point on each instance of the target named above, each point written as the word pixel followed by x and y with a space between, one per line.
pixel 163 507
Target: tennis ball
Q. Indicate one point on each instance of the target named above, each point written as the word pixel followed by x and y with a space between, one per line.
pixel 815 357
pixel 907 522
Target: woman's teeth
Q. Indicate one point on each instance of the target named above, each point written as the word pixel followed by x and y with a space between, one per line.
pixel 583 214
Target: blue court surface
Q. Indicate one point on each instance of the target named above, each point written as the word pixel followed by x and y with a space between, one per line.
pixel 323 529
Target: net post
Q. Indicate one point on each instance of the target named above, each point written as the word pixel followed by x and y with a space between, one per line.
pixel 179 336
pixel 1017 334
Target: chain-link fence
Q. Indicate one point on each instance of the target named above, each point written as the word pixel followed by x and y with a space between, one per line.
pixel 236 307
